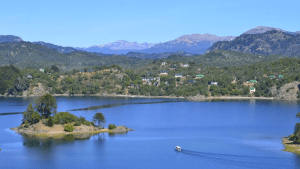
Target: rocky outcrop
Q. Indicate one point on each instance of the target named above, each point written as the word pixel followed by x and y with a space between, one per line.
pixel 287 91
pixel 39 90
pixel 121 129
pixel 197 97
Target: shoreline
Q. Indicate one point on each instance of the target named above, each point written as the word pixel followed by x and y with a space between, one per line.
pixel 289 147
pixel 190 98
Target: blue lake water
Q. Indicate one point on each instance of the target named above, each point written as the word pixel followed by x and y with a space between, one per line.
pixel 218 134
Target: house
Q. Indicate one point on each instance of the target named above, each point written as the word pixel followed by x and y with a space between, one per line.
pixel 163 72
pixel 163 63
pixel 191 81
pixel 29 76
pixel 199 76
pixel 252 81
pixel 156 83
pixel 185 65
pixel 158 78
pixel 147 78
pixel 252 89
pixel 167 83
pixel 131 85
pixel 213 83
pixel 42 70
pixel 272 77
pixel 81 71
pixel 178 74
pixel 280 76
pixel 90 70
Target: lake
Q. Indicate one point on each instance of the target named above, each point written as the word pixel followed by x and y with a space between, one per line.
pixel 215 134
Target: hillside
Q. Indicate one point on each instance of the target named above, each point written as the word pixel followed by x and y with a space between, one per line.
pixel 56 47
pixel 26 54
pixel 269 43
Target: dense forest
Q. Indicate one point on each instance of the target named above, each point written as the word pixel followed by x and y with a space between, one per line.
pixel 147 81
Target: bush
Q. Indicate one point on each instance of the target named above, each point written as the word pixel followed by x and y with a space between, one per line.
pixel 292 137
pixel 69 127
pixel 63 118
pixel 111 126
pixel 50 121
pixel 77 123
pixel 87 123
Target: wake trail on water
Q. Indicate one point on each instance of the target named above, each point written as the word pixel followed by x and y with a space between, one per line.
pixel 241 160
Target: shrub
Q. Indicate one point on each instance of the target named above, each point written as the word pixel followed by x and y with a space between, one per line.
pixel 111 126
pixel 50 121
pixel 77 123
pixel 63 118
pixel 87 123
pixel 69 127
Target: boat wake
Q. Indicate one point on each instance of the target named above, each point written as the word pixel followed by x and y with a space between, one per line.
pixel 241 160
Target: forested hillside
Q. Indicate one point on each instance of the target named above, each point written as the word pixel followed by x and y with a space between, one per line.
pixel 269 43
pixel 26 54
pixel 194 79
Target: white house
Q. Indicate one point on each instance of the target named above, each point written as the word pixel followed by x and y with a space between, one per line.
pixel 163 63
pixel 178 74
pixel 252 89
pixel 213 83
pixel 185 65
pixel 163 72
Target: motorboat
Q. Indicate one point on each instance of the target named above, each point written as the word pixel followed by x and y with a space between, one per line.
pixel 177 148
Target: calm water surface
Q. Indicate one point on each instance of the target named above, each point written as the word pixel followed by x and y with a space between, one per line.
pixel 220 134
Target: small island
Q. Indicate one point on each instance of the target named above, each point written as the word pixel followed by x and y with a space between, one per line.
pixel 42 121
pixel 292 143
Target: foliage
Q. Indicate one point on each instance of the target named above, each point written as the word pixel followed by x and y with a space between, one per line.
pixel 50 122
pixel 77 123
pixel 46 105
pixel 64 117
pixel 100 119
pixel 111 126
pixel 68 127
pixel 30 116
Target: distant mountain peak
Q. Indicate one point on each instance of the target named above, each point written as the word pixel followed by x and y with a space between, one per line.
pixel 203 37
pixel 262 29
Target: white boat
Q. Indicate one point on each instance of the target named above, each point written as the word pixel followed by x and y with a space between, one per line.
pixel 177 148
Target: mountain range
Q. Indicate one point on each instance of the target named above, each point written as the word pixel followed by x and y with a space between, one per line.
pixel 194 44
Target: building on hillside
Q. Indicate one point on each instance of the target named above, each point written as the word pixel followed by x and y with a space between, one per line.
pixel 147 78
pixel 252 89
pixel 185 65
pixel 199 76
pixel 163 63
pixel 42 70
pixel 213 83
pixel 29 76
pixel 191 81
pixel 156 83
pixel 163 72
pixel 167 83
pixel 272 77
pixel 158 78
pixel 178 74
pixel 173 67
pixel 81 71
pixel 252 81
pixel 280 76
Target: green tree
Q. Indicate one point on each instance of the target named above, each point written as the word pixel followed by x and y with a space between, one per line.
pixel 30 116
pixel 46 105
pixel 100 119
pixel 50 121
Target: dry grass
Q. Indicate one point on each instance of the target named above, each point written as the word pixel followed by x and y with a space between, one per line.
pixel 289 147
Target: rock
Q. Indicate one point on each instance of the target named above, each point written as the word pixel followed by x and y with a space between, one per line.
pixel 287 91
pixel 121 129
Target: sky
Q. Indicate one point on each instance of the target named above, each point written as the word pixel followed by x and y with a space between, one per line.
pixel 94 22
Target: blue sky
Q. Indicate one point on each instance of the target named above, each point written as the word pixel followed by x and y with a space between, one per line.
pixel 85 23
